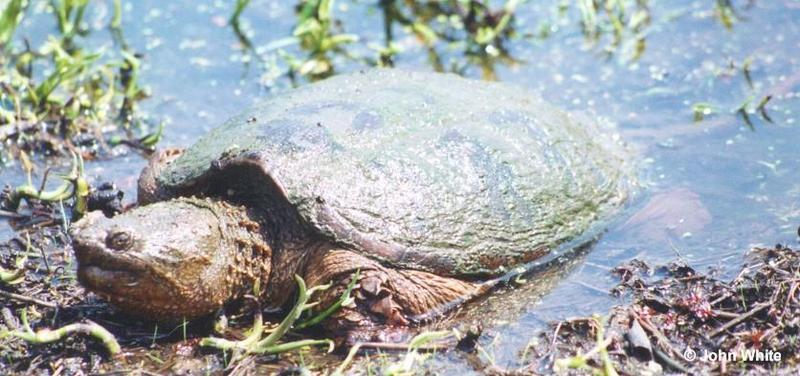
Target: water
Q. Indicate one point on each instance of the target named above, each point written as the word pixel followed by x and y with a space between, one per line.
pixel 711 189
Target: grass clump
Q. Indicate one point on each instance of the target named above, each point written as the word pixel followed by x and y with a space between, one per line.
pixel 63 96
pixel 256 343
pixel 319 42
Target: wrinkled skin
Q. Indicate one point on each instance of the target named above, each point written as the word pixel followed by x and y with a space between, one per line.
pixel 187 257
pixel 175 259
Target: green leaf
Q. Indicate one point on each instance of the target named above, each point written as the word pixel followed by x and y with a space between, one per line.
pixel 308 26
pixel 10 19
pixel 423 339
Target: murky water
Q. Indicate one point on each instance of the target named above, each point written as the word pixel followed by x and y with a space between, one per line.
pixel 711 189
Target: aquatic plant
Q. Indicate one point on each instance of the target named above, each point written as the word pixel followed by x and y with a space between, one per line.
pixel 746 108
pixel 477 30
pixel 60 96
pixel 319 42
pixel 457 35
pixel 44 336
pixel 74 187
pixel 256 343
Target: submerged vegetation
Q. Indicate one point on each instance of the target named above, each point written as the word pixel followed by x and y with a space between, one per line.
pixel 622 24
pixel 64 95
pixel 748 107
pixel 456 35
pixel 462 35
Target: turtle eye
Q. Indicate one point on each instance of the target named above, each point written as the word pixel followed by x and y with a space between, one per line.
pixel 119 240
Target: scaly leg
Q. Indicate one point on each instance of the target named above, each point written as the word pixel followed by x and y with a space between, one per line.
pixel 387 301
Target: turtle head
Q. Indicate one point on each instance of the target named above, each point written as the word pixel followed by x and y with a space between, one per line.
pixel 168 260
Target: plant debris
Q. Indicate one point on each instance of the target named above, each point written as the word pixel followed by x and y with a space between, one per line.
pixel 62 97
pixel 687 322
pixel 43 336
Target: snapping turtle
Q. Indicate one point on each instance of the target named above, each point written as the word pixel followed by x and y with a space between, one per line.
pixel 429 184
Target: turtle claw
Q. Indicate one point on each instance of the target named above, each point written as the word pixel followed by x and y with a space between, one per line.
pixel 352 327
pixel 382 334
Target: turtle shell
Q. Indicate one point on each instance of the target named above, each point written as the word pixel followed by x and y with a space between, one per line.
pixel 420 170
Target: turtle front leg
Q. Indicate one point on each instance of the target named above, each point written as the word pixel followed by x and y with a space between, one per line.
pixel 387 301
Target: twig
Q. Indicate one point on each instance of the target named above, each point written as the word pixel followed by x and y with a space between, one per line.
pixel 26 299
pixel 662 339
pixel 738 320
pixel 725 314
pixel 9 214
pixel 44 258
pixel 555 337
pixel 779 271
pixel 28 247
pixel 725 295
pixel 691 278
pixel 663 342
pixel 789 298
pixel 671 362
pixel 400 346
